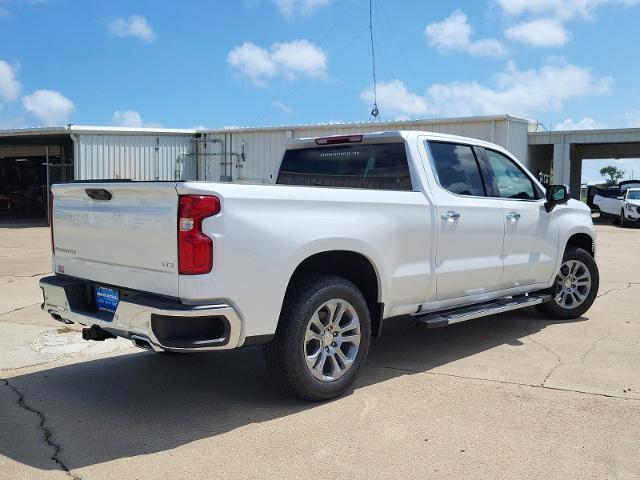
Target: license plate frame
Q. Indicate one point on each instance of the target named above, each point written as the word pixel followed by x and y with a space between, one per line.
pixel 106 299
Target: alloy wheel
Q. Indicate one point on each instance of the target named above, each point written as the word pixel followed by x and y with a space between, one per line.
pixel 332 340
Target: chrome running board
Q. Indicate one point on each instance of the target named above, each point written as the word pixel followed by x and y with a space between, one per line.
pixel 443 318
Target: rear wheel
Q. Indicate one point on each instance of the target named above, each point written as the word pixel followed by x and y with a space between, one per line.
pixel 575 287
pixel 322 338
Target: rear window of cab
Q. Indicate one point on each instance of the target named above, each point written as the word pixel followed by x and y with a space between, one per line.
pixel 382 166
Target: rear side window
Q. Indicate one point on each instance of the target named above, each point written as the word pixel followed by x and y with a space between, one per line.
pixel 457 168
pixel 379 167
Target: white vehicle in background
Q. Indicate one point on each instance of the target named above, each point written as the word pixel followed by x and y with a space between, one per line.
pixel 357 229
pixel 607 200
pixel 607 203
pixel 630 207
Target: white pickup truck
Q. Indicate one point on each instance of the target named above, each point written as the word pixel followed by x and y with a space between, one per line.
pixel 357 229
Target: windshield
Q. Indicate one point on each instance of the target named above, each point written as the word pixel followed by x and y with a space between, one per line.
pixel 635 195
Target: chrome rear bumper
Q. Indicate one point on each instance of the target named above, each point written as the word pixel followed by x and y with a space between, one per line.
pixel 143 318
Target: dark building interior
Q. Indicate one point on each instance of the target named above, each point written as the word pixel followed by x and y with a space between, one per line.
pixel 28 166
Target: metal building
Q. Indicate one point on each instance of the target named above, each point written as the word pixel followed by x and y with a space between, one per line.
pixel 252 154
pixel 32 159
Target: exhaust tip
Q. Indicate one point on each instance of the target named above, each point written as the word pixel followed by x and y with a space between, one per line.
pixel 141 342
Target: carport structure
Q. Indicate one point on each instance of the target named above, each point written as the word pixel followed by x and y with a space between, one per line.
pixel 562 152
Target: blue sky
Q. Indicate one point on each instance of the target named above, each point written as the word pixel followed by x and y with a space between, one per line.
pixel 568 64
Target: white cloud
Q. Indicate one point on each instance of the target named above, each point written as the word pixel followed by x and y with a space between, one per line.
pixel 49 106
pixel 547 28
pixel 135 26
pixel 252 61
pixel 127 118
pixel 587 123
pixel 290 60
pixel 561 9
pixel 131 118
pixel 634 119
pixel 394 98
pixel 518 92
pixel 280 105
pixel 543 32
pixel 454 34
pixel 299 8
pixel 6 13
pixel 299 57
pixel 9 85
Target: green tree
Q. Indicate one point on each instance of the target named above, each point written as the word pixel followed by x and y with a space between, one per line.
pixel 612 175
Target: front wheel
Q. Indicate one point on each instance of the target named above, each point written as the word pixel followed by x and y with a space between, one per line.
pixel 322 339
pixel 575 287
pixel 623 220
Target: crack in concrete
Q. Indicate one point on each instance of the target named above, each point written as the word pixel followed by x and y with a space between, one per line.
pixel 593 347
pixel 45 431
pixel 607 292
pixel 17 309
pixel 22 253
pixel 559 361
pixel 507 382
pixel 25 276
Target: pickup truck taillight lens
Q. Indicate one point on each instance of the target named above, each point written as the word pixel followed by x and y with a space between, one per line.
pixel 50 213
pixel 195 249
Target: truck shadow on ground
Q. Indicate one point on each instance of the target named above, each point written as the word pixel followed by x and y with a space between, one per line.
pixel 143 403
pixel 22 222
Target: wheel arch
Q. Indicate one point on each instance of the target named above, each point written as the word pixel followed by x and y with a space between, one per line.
pixel 355 267
pixel 582 240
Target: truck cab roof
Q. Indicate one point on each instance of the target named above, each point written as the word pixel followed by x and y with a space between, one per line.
pixel 387 136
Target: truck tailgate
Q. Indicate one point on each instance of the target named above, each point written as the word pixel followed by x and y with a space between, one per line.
pixel 121 234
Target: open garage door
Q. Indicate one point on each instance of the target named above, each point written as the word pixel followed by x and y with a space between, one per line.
pixel 28 167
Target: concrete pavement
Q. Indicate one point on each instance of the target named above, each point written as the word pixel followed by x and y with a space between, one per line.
pixel 510 396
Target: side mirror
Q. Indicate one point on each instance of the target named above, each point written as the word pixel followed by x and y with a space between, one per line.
pixel 620 198
pixel 556 195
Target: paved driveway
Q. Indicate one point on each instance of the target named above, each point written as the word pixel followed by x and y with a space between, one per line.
pixel 511 396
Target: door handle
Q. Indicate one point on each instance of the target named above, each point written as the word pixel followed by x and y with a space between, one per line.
pixel 513 216
pixel 450 215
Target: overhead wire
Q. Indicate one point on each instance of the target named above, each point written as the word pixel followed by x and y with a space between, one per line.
pixel 339 51
pixel 375 112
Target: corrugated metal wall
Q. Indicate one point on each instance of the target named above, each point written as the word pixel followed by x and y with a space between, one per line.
pixel 250 155
pixel 263 148
pixel 136 157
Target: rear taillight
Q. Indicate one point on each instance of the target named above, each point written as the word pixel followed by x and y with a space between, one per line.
pixel 53 251
pixel 195 249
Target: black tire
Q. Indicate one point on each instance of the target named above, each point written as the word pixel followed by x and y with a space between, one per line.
pixel 623 220
pixel 285 355
pixel 552 309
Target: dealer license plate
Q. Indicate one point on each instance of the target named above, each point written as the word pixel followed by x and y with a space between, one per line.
pixel 107 299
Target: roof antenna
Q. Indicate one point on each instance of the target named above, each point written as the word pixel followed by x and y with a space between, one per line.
pixel 375 113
